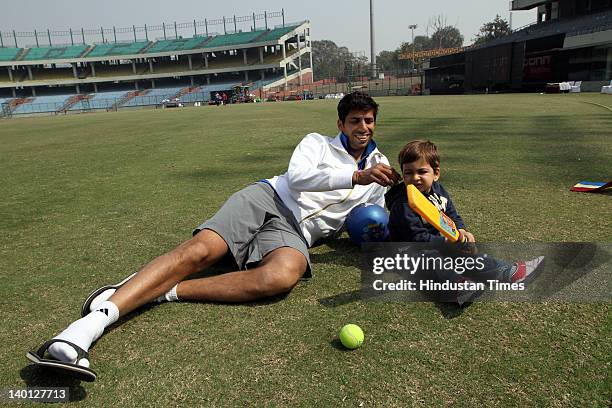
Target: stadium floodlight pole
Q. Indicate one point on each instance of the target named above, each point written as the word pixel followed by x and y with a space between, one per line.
pixel 71 38
pixel 372 47
pixel 49 35
pixel 164 29
pixel 413 27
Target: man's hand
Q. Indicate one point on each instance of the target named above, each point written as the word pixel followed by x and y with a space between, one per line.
pixel 381 173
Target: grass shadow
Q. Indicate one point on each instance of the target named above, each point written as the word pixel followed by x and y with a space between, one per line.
pixel 337 344
pixel 343 253
pixel 35 376
pixel 451 310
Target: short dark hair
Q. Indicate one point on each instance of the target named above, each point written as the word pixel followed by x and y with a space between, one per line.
pixel 420 149
pixel 356 101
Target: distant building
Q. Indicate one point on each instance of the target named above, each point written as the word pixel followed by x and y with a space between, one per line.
pixel 571 41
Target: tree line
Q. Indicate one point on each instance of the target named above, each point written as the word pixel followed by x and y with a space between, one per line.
pixel 333 61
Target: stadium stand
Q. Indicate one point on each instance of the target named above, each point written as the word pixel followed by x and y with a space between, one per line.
pixel 112 70
pixel 47 74
pixel 108 75
pixel 180 44
pixel 104 100
pixel 276 33
pixel 152 97
pixel 571 45
pixel 142 47
pixel 9 54
pixel 40 104
pixel 106 50
pixel 591 23
pixel 81 103
pixel 171 66
pixel 234 39
pixel 121 102
pixel 45 53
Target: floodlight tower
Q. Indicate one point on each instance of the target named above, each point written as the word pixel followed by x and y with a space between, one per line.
pixel 412 27
pixel 372 47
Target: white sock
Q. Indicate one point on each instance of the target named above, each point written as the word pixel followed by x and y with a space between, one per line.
pixel 169 296
pixel 83 332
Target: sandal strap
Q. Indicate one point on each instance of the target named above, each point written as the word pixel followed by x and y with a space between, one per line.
pixel 80 352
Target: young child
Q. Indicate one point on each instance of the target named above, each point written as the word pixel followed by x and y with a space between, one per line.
pixel 420 165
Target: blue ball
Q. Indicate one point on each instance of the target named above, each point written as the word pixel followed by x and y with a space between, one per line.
pixel 368 223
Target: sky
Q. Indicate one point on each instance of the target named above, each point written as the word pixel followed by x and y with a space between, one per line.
pixel 345 22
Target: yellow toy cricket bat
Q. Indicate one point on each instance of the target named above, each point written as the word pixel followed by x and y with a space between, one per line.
pixel 429 212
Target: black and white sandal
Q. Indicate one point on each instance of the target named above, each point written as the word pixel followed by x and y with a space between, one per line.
pixel 62 367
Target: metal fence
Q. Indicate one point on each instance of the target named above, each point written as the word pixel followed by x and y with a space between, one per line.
pixel 331 88
pixel 384 86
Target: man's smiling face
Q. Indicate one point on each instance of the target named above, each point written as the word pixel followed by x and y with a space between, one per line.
pixel 359 129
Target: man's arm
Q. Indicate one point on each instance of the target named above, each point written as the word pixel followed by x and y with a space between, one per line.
pixel 305 175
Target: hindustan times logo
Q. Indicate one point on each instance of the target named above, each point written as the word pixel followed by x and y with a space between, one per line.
pixel 410 264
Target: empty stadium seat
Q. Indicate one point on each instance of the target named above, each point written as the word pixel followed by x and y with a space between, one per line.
pixel 65 52
pixel 42 104
pixel 104 100
pixel 104 50
pixel 233 39
pixel 153 97
pixel 277 33
pixel 9 54
pixel 180 44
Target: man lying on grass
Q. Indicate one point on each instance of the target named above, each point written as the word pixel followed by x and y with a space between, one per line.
pixel 267 228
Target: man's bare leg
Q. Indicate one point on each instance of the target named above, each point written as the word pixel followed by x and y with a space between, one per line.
pixel 277 273
pixel 155 278
pixel 165 271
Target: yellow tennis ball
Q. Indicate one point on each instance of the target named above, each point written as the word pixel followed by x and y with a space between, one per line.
pixel 351 336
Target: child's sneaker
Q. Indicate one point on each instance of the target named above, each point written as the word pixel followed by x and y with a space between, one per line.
pixel 525 269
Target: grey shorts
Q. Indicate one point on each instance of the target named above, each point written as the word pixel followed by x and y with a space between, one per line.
pixel 253 222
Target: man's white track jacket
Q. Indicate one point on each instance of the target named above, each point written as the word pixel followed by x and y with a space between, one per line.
pixel 318 188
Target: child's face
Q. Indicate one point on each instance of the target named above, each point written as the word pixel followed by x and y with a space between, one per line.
pixel 421 174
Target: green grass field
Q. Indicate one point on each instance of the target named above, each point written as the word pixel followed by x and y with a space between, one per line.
pixel 88 199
